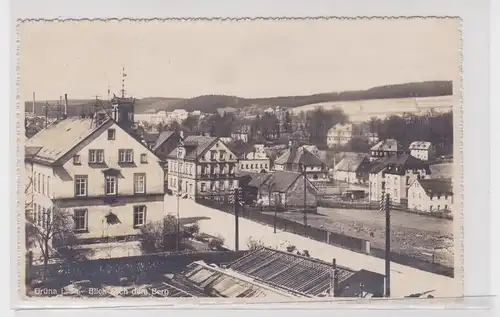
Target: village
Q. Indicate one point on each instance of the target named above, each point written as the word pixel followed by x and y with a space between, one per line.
pixel 252 196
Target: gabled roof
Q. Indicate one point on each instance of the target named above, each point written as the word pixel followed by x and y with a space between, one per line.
pixel 420 145
pixel 295 155
pixel 62 136
pixel 229 283
pixel 239 148
pixel 162 138
pixel 387 145
pixel 351 163
pixel 300 274
pixel 150 137
pixel 195 146
pixel 279 181
pixel 437 186
pixel 398 164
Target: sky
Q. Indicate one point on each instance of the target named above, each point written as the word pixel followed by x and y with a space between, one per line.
pixel 242 58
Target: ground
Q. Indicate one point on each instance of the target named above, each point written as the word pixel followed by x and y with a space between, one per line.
pixel 414 235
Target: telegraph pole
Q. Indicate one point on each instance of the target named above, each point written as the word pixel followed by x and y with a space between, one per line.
pixel 238 201
pixel 385 206
pixel 305 199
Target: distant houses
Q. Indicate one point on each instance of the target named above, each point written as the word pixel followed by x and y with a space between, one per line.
pixel 394 175
pixel 299 159
pixel 340 134
pixel 386 148
pixel 353 168
pixel 423 150
pixel 283 189
pixel 431 195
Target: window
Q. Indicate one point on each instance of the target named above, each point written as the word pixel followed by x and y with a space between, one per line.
pixel 80 218
pixel 139 215
pixel 212 186
pixel 144 158
pixel 231 184
pixel 81 185
pixel 221 185
pixel 43 184
pixel 191 188
pixel 213 155
pixel 34 182
pixel 39 220
pixel 34 213
pixel 202 187
pixel 437 207
pixel 395 193
pixel 221 155
pixel 49 216
pixel 48 186
pixel 76 160
pixel 38 180
pixel 96 156
pixel 111 134
pixel 139 183
pixel 246 166
pixel 125 156
pixel 44 215
pixel 251 166
pixel 111 185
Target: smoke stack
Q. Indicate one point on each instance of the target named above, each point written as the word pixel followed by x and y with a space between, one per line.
pixel 65 104
pixel 33 102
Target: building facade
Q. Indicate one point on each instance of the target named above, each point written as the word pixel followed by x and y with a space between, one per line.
pixel 298 159
pixel 257 162
pixel 423 150
pixel 353 169
pixel 96 171
pixel 204 167
pixel 385 148
pixel 339 135
pixel 431 195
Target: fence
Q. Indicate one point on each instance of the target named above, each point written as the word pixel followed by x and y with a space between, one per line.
pixel 343 241
pixel 111 270
pixel 331 202
pixel 325 236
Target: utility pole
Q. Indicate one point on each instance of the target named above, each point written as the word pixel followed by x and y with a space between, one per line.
pixel 305 198
pixel 385 206
pixel 180 156
pixel 238 201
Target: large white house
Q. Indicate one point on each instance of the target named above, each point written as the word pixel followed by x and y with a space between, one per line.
pixel 394 175
pixel 205 167
pixel 339 134
pixel 431 195
pixel 423 150
pixel 94 169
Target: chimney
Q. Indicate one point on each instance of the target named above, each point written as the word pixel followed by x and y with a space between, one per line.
pixel 33 102
pixel 65 104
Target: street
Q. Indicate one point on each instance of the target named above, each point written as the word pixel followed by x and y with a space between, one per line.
pixel 414 235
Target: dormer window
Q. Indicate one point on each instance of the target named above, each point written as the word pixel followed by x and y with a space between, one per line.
pixel 111 134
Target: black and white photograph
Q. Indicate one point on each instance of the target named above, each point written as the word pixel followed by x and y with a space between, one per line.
pixel 266 160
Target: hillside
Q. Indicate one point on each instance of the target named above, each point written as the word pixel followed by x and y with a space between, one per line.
pixel 210 103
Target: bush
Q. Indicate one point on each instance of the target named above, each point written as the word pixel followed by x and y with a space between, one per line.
pixel 160 236
pixel 216 243
pixel 254 244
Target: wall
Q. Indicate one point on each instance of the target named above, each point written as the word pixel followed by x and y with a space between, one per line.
pixel 44 186
pixel 294 196
pixel 419 200
pixel 97 209
pixel 64 186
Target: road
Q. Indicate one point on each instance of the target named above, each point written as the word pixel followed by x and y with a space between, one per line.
pixel 414 235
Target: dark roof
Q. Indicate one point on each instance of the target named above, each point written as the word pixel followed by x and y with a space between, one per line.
pixel 351 163
pixel 295 155
pixel 195 146
pixel 289 271
pixel 398 164
pixel 279 180
pixel 437 186
pixel 150 137
pixel 240 148
pixel 31 151
pixel 164 136
pixel 372 283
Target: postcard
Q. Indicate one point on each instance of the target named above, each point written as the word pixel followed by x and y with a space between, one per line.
pixel 261 160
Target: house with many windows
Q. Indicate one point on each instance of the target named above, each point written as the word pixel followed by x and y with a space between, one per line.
pixel 423 150
pixel 299 159
pixel 394 175
pixel 93 168
pixel 385 148
pixel 204 167
pixel 431 195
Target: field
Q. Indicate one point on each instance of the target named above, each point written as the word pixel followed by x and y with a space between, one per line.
pixel 414 235
pixel 444 170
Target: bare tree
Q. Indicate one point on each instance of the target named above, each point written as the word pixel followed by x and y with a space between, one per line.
pixel 51 229
pixel 160 236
